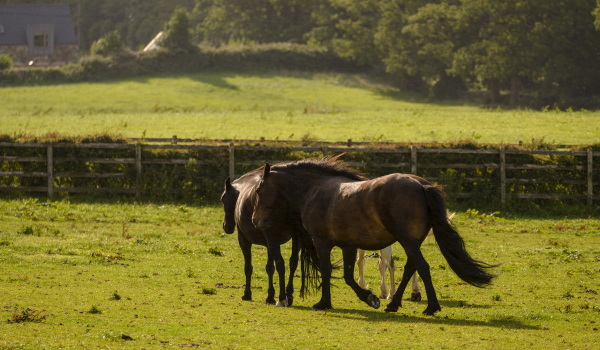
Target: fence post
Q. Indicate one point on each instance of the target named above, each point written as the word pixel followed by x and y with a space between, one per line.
pixel 50 170
pixel 503 176
pixel 413 160
pixel 325 151
pixel 231 162
pixel 138 169
pixel 590 183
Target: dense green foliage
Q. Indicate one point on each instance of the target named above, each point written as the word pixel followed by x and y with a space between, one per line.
pixel 176 34
pixel 110 44
pixel 6 62
pixel 71 258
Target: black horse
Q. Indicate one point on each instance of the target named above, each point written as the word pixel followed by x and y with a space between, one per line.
pixel 340 207
pixel 238 200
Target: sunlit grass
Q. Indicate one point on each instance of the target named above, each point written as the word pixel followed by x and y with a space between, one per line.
pixel 273 106
pixel 157 258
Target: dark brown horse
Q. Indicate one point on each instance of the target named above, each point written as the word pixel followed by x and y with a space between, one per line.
pixel 238 201
pixel 339 207
pixel 238 206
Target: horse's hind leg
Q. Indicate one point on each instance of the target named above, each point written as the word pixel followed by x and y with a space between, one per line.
pixel 361 269
pixel 363 294
pixel 416 290
pixel 423 268
pixel 289 291
pixel 409 270
pixel 270 268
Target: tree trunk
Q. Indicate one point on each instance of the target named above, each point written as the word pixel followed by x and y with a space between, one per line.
pixel 515 90
pixel 495 91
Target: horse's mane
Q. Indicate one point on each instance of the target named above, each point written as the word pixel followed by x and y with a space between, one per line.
pixel 327 166
pixel 249 174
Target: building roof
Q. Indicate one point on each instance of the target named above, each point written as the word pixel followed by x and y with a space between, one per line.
pixel 14 19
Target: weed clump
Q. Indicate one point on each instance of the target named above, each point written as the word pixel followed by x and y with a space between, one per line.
pixel 94 310
pixel 209 291
pixel 496 297
pixel 216 251
pixel 115 296
pixel 27 315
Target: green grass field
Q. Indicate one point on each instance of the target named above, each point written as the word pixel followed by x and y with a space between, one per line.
pixel 73 260
pixel 272 105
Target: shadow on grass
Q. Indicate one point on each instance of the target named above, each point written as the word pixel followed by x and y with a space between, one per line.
pixel 377 316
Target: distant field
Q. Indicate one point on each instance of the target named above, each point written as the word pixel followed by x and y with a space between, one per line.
pixel 146 271
pixel 250 106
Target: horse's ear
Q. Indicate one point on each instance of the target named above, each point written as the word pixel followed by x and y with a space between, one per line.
pixel 266 171
pixel 228 184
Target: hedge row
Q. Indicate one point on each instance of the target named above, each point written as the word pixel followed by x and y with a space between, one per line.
pixel 281 56
pixel 206 180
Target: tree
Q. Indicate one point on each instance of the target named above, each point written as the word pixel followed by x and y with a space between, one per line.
pixel 262 21
pixel 177 32
pixel 348 27
pixel 110 44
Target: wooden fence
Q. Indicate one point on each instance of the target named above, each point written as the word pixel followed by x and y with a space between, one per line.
pixel 414 165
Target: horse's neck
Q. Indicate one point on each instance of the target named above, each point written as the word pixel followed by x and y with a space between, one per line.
pixel 299 186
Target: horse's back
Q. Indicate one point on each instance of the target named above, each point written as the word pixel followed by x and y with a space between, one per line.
pixel 365 214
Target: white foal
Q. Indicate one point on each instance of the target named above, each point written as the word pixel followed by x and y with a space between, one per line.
pixel 386 262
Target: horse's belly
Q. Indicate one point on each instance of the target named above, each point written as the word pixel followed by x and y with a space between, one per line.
pixel 367 234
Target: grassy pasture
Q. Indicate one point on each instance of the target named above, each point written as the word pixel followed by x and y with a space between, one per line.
pixel 272 105
pixel 70 258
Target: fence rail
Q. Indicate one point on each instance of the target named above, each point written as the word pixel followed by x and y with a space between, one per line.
pixel 414 165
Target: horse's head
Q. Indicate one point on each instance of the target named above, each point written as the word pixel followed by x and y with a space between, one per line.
pixel 229 199
pixel 268 200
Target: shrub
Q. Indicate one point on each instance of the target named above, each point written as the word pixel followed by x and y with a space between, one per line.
pixel 6 62
pixel 110 44
pixel 176 34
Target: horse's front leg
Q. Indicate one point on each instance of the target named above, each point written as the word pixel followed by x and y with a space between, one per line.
pixel 385 263
pixel 361 269
pixel 246 247
pixel 363 294
pixel 324 254
pixel 289 291
pixel 275 252
pixel 270 268
pixel 416 290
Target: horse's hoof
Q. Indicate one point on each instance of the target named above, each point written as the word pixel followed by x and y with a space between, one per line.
pixel 290 300
pixel 391 307
pixel 247 297
pixel 430 310
pixel 415 296
pixel 322 306
pixel 373 301
pixel 383 295
pixel 270 301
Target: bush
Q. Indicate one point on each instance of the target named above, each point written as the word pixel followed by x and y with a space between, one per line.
pixel 176 34
pixel 6 62
pixel 232 59
pixel 110 44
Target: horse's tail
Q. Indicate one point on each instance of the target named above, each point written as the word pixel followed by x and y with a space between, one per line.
pixel 310 265
pixel 451 243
